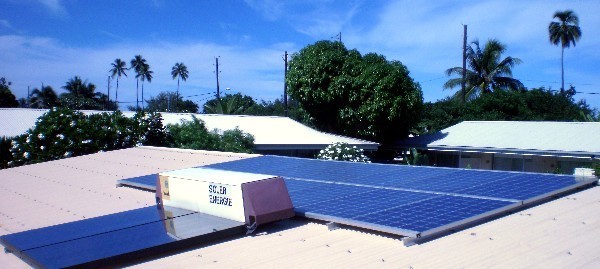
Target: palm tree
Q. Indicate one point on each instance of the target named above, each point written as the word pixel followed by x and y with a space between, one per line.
pixel 488 72
pixel 45 97
pixel 118 69
pixel 77 87
pixel 179 71
pixel 227 107
pixel 137 64
pixel 144 74
pixel 565 31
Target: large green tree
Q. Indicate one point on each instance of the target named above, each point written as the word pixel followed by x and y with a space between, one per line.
pixel 7 98
pixel 179 71
pixel 487 71
pixel 565 32
pixel 118 69
pixel 137 64
pixel 347 93
pixel 44 97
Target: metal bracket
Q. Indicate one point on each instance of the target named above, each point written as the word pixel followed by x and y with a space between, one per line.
pixel 332 226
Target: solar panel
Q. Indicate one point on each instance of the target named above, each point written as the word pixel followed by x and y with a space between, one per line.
pixel 147 182
pixel 407 200
pixel 109 241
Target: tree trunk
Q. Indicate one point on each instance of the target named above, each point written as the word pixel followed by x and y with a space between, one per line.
pixel 562 69
pixel 142 95
pixel 117 95
pixel 137 93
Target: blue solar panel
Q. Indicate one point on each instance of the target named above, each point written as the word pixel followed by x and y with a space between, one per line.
pixel 490 184
pixel 112 240
pixel 366 202
pixel 417 200
pixel 399 197
pixel 69 231
pixel 429 214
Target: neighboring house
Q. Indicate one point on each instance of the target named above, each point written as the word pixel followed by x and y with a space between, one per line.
pixel 529 146
pixel 272 134
pixel 557 234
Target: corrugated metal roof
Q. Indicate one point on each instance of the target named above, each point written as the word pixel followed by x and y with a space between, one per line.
pixel 559 234
pixel 536 137
pixel 270 132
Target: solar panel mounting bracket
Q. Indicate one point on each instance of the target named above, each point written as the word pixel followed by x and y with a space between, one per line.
pixel 332 226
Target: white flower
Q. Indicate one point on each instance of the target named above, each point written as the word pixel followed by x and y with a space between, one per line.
pixel 28 140
pixel 73 123
pixel 60 136
pixel 26 155
pixel 42 147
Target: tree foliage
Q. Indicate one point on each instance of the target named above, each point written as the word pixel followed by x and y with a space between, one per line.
pixel 194 135
pixel 82 95
pixel 169 102
pixel 45 97
pixel 7 98
pixel 525 105
pixel 230 104
pixel 347 93
pixel 487 71
pixel 62 133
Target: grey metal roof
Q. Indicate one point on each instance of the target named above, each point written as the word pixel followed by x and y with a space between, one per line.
pixel 270 132
pixel 578 139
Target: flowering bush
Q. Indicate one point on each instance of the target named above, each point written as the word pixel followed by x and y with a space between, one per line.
pixel 62 133
pixel 343 152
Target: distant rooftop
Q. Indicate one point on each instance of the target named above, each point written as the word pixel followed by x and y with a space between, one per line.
pixel 578 139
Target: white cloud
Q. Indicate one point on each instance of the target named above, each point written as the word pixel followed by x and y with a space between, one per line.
pixel 35 60
pixel 55 6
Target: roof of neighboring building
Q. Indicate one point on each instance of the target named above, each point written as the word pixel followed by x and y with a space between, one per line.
pixel 579 139
pixel 557 234
pixel 270 132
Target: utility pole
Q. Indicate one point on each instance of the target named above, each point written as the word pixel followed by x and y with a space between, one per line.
pixel 217 72
pixel 464 71
pixel 285 97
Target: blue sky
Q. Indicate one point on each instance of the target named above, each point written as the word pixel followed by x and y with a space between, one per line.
pixel 50 41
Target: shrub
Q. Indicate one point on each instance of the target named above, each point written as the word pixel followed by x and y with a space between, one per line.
pixel 596 167
pixel 5 155
pixel 194 135
pixel 343 152
pixel 62 133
